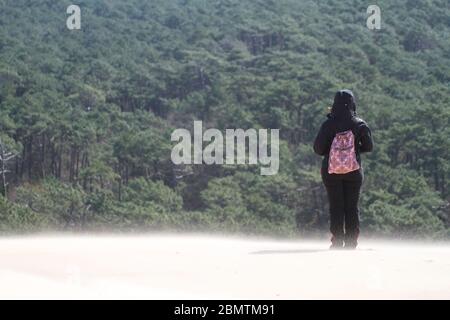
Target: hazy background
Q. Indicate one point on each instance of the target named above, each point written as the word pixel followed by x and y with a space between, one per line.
pixel 87 114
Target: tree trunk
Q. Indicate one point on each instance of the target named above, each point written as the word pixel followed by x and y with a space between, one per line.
pixel 2 155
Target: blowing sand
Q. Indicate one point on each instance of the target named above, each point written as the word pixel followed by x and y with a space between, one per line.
pixel 204 267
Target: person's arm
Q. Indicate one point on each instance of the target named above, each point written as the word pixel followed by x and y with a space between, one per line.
pixel 322 142
pixel 366 144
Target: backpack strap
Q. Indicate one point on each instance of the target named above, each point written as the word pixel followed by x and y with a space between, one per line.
pixel 358 123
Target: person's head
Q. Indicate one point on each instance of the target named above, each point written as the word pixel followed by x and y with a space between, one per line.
pixel 344 105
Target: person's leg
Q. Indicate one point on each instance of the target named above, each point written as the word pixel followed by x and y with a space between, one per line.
pixel 352 186
pixel 335 192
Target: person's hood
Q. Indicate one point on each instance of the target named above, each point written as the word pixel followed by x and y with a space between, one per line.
pixel 344 105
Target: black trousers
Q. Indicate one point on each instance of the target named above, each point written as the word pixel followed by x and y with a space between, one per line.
pixel 343 195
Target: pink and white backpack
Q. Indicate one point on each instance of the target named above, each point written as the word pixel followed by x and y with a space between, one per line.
pixel 342 157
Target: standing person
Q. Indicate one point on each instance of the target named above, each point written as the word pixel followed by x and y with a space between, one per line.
pixel 341 140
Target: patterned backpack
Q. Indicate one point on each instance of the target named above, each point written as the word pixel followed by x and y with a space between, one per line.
pixel 342 154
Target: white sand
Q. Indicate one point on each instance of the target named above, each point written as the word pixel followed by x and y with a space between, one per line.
pixel 204 267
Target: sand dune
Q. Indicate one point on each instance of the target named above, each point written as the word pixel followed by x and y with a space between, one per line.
pixel 205 267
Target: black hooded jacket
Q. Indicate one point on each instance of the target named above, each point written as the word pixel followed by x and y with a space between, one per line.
pixel 342 118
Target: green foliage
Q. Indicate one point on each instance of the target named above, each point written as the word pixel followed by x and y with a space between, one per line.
pixel 408 206
pixel 90 112
pixel 18 218
pixel 249 202
pixel 143 192
pixel 59 204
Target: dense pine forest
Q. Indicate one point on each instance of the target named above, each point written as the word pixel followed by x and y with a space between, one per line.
pixel 86 115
